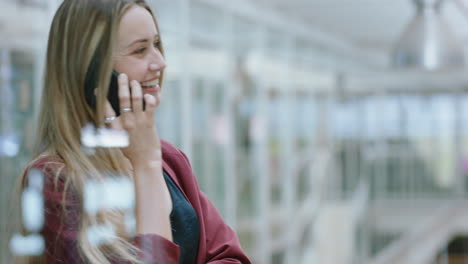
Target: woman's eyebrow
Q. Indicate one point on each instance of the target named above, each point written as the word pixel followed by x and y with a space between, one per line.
pixel 142 40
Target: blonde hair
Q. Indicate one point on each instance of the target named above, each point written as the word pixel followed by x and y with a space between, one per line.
pixel 82 29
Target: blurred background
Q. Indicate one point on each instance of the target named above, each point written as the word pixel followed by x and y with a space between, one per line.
pixel 325 131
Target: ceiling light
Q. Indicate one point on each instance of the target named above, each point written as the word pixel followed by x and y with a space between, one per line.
pixel 428 43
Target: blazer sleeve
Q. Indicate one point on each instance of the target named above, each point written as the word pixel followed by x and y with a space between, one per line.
pixel 61 227
pixel 222 244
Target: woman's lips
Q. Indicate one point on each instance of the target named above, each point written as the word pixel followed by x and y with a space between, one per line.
pixel 151 89
pixel 154 79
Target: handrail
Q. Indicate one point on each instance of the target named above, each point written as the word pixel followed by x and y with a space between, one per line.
pixel 416 247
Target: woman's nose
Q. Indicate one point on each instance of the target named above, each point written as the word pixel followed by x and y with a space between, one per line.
pixel 158 63
pixel 157 66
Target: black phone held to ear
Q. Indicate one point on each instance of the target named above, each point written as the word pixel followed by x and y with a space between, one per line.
pixel 91 84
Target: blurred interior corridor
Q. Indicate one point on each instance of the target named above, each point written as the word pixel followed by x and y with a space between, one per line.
pixel 325 131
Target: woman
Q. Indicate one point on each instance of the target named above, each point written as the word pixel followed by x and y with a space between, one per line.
pixel 175 222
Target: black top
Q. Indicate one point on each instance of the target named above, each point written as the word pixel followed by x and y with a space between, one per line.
pixel 184 223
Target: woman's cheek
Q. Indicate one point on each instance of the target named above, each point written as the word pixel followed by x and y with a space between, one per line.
pixel 135 71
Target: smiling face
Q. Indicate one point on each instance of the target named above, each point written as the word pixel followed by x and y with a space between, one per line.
pixel 138 51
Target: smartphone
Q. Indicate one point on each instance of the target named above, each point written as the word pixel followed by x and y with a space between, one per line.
pixel 112 94
pixel 91 84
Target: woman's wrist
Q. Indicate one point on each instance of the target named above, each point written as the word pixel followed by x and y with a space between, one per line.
pixel 147 165
pixel 151 160
pixel 151 186
pixel 148 173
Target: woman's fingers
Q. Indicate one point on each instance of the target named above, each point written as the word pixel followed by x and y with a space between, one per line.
pixel 137 99
pixel 110 116
pixel 158 98
pixel 131 103
pixel 139 124
pixel 151 103
pixel 124 93
pixel 108 110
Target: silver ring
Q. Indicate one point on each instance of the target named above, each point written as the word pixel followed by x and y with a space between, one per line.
pixel 125 109
pixel 108 120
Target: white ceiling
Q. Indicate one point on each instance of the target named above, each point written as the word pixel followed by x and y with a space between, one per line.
pixel 372 25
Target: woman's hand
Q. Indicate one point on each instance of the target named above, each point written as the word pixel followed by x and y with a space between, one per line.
pixel 145 146
pixel 153 201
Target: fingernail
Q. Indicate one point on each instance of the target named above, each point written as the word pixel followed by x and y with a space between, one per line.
pixel 134 82
pixel 122 76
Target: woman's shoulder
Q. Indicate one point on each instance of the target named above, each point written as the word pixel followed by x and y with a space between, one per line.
pixel 46 162
pixel 168 148
pixel 174 157
pixel 46 158
pixel 171 152
pixel 51 166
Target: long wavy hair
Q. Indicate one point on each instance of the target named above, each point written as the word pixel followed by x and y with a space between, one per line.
pixel 80 30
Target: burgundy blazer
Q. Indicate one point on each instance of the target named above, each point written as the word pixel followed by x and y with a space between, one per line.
pixel 218 242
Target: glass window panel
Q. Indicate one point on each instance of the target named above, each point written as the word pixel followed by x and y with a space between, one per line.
pixel 444 117
pixel 199 121
pixel 305 121
pixel 218 121
pixel 16 130
pixel 206 22
pixel 167 14
pixel 169 113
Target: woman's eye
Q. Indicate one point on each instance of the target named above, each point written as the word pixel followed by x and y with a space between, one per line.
pixel 156 44
pixel 139 51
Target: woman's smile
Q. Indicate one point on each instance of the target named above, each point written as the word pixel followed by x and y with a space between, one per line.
pixel 151 86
